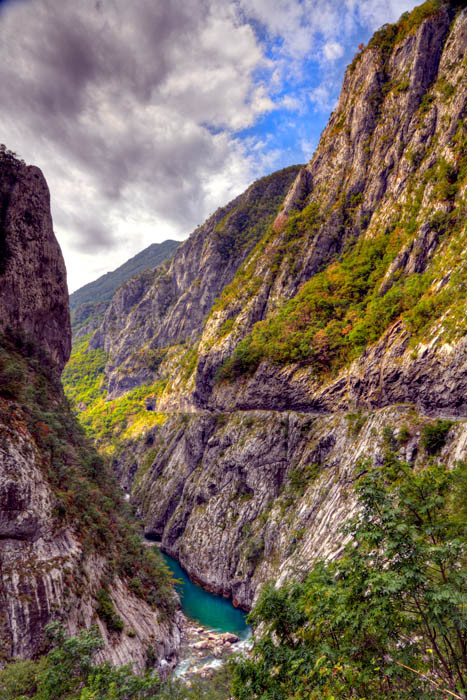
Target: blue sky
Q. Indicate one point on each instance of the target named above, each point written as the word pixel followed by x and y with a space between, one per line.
pixel 147 116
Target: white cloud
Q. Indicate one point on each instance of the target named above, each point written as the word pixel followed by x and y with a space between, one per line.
pixel 332 50
pixel 374 13
pixel 323 97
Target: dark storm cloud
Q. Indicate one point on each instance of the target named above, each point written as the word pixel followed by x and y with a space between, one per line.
pixel 101 95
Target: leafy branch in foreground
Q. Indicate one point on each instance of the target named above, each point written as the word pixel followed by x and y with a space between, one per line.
pixel 389 619
pixel 69 672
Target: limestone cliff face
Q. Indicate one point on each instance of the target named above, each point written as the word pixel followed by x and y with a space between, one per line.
pixel 251 496
pixel 368 250
pixel 401 111
pixel 33 289
pixel 46 573
pixel 59 512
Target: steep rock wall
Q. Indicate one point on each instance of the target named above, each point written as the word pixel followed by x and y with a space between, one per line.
pixel 49 566
pixel 33 288
pixel 168 307
pixel 371 172
pixel 252 496
pixel 45 574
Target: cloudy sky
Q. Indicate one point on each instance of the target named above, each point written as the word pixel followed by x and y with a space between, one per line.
pixel 146 115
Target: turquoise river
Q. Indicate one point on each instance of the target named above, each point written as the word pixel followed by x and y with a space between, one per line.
pixel 208 609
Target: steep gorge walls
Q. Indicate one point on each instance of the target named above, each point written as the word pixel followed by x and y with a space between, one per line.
pixel 245 497
pixel 240 387
pixel 168 307
pixel 346 290
pixel 68 547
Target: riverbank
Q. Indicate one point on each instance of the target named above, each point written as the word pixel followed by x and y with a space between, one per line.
pixel 203 650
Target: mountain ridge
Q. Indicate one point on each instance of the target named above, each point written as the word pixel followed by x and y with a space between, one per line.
pixel 89 303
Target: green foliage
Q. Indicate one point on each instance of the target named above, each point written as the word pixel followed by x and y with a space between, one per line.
pixel 388 619
pixel 445 87
pixel 19 679
pixel 123 418
pixel 254 550
pixel 355 421
pixel 106 611
pixel 334 316
pixel 69 672
pixel 9 158
pixel 404 435
pixel 425 104
pixel 433 436
pixel 226 326
pixel 11 376
pixel 245 224
pixel 189 361
pixel 389 35
pixel 83 375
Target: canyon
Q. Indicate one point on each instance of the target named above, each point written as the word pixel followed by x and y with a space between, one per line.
pixel 238 391
pixel 317 314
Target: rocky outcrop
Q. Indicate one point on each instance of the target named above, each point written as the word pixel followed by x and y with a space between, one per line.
pixel 33 289
pixel 89 303
pixel 392 125
pixel 45 574
pixel 49 567
pixel 432 376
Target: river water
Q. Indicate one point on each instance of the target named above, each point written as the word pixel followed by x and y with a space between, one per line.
pixel 208 609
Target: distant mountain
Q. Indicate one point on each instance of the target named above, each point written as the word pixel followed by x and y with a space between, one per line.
pixel 88 304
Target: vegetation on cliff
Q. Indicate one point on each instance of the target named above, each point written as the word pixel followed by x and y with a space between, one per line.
pixel 107 422
pixel 388 618
pixel 353 301
pixel 68 672
pixel 87 497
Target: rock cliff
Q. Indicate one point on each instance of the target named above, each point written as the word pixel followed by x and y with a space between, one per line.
pixel 245 497
pixel 33 289
pixel 279 365
pixel 69 549
pixel 169 307
pixel 89 303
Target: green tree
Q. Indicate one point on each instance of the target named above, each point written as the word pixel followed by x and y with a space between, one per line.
pixel 388 619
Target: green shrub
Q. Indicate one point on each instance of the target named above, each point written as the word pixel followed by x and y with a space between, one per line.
pixel 84 373
pixel 68 672
pixel 433 436
pixel 19 679
pixel 404 435
pixel 385 620
pixel 106 611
